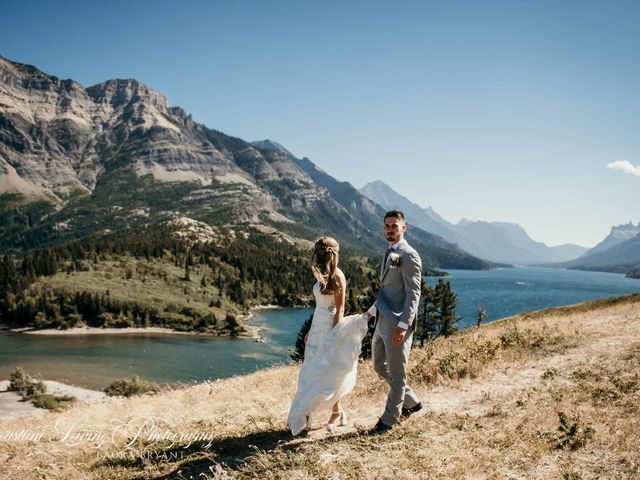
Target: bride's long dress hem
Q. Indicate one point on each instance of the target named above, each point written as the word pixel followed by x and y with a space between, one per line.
pixel 329 370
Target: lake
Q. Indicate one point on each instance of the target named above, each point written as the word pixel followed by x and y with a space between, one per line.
pixel 508 291
pixel 95 360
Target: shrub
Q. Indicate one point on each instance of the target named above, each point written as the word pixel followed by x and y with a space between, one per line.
pixel 52 402
pixel 19 380
pixel 570 434
pixel 35 388
pixel 233 326
pixel 127 388
pixel 36 391
pixel 73 319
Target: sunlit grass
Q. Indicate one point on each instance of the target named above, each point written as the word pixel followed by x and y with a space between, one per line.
pixel 153 283
pixel 554 395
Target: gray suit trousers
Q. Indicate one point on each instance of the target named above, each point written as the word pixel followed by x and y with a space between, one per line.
pixel 390 362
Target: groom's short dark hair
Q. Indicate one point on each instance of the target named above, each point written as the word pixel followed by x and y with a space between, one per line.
pixel 394 213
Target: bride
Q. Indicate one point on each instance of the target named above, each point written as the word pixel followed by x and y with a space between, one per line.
pixel 332 345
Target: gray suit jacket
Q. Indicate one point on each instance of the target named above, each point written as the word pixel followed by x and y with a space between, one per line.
pixel 399 292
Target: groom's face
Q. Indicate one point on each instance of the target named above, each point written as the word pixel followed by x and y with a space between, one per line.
pixel 394 229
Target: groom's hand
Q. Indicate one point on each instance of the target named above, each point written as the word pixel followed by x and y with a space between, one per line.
pixel 398 335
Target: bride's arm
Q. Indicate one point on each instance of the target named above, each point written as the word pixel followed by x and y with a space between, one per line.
pixel 339 296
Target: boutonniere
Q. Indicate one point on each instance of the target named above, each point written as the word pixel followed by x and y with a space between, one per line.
pixel 394 260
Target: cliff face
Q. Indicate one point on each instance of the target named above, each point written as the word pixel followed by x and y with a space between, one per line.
pixel 45 127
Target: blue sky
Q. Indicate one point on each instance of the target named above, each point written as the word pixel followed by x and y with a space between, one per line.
pixel 489 110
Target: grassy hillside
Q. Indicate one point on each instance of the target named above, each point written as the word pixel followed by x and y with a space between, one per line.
pixel 554 394
pixel 182 275
pixel 156 283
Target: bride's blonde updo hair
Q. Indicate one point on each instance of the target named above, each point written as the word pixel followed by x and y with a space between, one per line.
pixel 324 264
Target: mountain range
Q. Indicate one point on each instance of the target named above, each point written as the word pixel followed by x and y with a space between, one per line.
pixel 618 234
pixel 77 162
pixel 618 252
pixel 509 243
pixel 494 241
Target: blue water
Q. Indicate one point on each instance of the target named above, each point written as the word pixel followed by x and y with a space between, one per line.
pixel 95 360
pixel 508 291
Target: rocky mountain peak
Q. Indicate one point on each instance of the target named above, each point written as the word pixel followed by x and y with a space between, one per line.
pixel 270 145
pixel 624 232
pixel 617 235
pixel 122 92
pixel 20 75
pixel 55 135
pixel 625 229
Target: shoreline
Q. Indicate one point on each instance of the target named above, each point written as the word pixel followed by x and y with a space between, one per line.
pixel 254 332
pixel 85 330
pixel 12 406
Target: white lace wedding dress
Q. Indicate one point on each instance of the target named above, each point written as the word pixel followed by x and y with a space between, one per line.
pixel 330 361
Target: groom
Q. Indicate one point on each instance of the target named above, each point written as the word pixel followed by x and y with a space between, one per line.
pixel 396 307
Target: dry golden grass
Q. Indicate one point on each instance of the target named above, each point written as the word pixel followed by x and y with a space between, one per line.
pixel 545 395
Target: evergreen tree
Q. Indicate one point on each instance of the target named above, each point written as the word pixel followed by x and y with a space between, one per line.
pixel 482 314
pixel 187 272
pixel 232 325
pixel 351 304
pixel 436 312
pixel 447 306
pixel 427 318
pixel 298 353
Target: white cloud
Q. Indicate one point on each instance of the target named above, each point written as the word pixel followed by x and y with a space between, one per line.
pixel 625 166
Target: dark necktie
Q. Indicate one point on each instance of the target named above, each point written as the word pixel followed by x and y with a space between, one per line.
pixel 386 257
